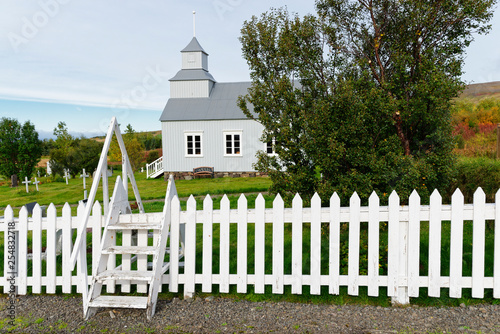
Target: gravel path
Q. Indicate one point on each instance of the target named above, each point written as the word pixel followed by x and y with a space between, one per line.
pixel 41 314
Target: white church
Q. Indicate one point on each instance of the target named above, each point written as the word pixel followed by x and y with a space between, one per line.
pixel 202 125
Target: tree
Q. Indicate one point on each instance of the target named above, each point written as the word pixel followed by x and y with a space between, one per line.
pixel 135 150
pixel 358 98
pixel 73 154
pixel 20 148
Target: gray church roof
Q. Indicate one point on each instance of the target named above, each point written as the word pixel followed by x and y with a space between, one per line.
pixel 221 105
pixel 195 74
pixel 194 46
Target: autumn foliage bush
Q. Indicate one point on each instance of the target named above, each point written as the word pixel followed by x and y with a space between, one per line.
pixel 474 126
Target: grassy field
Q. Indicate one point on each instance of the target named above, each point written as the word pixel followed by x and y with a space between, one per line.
pixel 59 193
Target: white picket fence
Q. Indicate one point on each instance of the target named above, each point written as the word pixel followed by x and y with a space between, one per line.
pixel 403 278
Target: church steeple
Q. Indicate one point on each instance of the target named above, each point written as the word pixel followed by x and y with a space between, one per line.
pixel 193 80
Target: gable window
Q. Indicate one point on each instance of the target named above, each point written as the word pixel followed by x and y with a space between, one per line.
pixel 193 144
pixel 232 142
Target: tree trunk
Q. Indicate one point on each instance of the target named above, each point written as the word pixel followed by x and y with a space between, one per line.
pixel 402 137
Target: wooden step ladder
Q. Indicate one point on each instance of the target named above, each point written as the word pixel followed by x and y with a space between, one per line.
pixel 120 219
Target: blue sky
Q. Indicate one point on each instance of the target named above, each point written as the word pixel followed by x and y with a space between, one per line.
pixel 84 61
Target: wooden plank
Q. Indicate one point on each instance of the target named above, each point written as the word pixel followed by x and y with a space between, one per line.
pixel 174 244
pixel 120 302
pixel 315 245
pixel 456 244
pixel 496 256
pixel 224 245
pixel 126 258
pixel 334 261
pixel 190 256
pixel 80 210
pixel 11 244
pixel 37 249
pixel 354 237
pixel 393 251
pixel 373 244
pixel 22 280
pixel 413 244
pixel 478 243
pixel 242 261
pixel 51 249
pixel 142 251
pixel 207 244
pixel 435 245
pixel 96 233
pixel 296 245
pixel 66 248
pixel 125 275
pixel 260 239
pixel 278 244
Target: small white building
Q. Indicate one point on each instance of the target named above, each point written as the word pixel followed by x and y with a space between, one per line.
pixel 202 126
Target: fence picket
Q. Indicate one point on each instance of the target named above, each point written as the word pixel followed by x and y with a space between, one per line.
pixel 11 245
pixel 79 214
pixel 174 244
pixel 142 259
pixel 23 252
pixel 496 256
pixel 207 244
pixel 224 245
pixel 190 257
pixel 354 236
pixel 393 252
pixel 315 245
pixel 297 228
pixel 260 243
pixel 373 244
pixel 126 258
pixel 36 252
pixel 435 245
pixel 66 248
pixel 51 248
pixel 413 244
pixel 278 244
pixel 242 245
pixel 478 234
pixel 334 263
pixel 456 244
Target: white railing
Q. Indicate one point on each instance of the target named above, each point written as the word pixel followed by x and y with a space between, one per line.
pixel 279 226
pixel 155 168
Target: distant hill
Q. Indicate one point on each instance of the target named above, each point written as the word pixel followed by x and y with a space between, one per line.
pixel 482 89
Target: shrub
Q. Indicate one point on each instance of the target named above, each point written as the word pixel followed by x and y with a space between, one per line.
pixel 152 156
pixel 477 172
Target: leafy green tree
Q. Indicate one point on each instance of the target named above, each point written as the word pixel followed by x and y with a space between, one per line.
pixel 73 154
pixel 20 148
pixel 358 98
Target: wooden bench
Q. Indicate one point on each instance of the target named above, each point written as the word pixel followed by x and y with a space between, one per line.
pixel 203 171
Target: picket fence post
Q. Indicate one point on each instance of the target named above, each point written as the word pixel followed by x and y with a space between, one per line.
pixel 297 225
pixel 260 229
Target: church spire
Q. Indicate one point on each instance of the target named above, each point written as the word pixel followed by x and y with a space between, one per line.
pixel 194 23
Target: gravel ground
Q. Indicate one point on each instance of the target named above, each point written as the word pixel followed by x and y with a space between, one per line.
pixel 40 314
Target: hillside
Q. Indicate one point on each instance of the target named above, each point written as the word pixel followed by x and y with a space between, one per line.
pixel 482 89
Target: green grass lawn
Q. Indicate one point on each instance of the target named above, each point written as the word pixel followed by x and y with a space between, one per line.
pixel 59 193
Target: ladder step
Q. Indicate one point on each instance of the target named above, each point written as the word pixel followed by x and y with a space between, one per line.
pixel 134 226
pixel 120 301
pixel 124 275
pixel 140 250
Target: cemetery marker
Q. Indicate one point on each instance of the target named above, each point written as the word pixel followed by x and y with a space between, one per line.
pixel 36 182
pixel 26 182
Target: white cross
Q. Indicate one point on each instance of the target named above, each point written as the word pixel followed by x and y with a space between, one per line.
pixel 38 172
pixel 36 182
pixel 142 169
pixel 66 176
pixel 84 176
pixel 26 182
